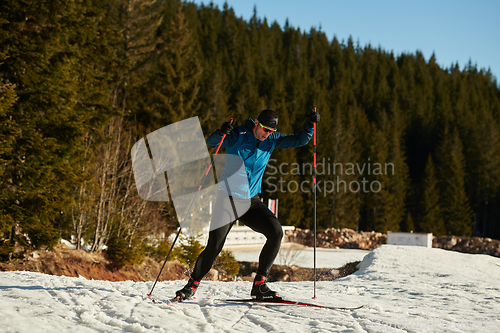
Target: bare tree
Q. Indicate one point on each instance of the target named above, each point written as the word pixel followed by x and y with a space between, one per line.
pixel 291 254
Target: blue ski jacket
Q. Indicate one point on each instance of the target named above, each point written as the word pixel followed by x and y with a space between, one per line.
pixel 254 153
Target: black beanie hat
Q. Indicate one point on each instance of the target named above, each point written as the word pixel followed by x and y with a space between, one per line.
pixel 267 120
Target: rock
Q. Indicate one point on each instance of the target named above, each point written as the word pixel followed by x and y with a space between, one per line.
pixel 337 238
pixel 473 245
pixel 214 274
pixel 369 240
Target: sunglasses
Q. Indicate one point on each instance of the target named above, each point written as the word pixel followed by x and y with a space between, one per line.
pixel 267 129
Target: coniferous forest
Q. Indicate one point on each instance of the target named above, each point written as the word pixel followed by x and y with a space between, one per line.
pixel 403 143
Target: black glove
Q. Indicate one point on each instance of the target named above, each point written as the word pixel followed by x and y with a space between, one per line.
pixel 312 118
pixel 226 128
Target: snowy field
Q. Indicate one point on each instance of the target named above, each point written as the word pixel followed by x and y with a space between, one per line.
pixel 403 289
pixel 304 256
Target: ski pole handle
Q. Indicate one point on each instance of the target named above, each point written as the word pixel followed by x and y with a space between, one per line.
pixel 223 136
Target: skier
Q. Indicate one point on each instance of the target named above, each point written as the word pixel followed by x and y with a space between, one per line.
pixel 254 143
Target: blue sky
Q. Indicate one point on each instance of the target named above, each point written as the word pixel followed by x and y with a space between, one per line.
pixel 455 30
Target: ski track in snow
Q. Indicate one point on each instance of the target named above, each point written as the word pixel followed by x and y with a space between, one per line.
pixel 403 289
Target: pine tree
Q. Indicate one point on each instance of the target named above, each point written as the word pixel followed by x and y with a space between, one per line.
pixel 385 204
pixel 380 202
pixel 139 20
pixel 62 61
pixel 456 208
pixel 484 166
pixel 215 100
pixel 9 133
pixel 431 215
pixel 396 168
pixel 408 225
pixel 56 61
pixel 345 150
pixel 214 84
pixel 174 78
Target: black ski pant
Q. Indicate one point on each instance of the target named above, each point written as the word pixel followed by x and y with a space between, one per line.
pixel 258 218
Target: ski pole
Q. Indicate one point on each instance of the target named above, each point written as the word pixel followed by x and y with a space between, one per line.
pixel 187 214
pixel 314 191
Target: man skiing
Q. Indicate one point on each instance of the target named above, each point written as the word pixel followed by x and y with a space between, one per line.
pixel 254 143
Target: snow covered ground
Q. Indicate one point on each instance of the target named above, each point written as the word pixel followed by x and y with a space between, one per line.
pixel 304 256
pixel 404 289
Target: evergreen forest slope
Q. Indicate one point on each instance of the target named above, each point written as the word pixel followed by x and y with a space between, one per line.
pixel 403 143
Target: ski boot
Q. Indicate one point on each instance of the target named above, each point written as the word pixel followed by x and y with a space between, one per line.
pixel 261 291
pixel 188 291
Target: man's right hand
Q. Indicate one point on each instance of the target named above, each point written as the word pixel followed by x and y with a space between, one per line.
pixel 312 118
pixel 226 128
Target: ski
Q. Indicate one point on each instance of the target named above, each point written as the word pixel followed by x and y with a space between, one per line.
pixel 285 302
pixel 173 301
pixel 170 301
pixel 270 301
pixel 153 299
